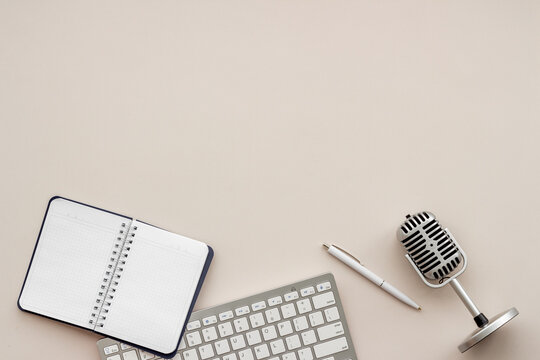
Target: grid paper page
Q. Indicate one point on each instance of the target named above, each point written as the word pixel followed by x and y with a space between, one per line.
pixel 71 255
pixel 156 289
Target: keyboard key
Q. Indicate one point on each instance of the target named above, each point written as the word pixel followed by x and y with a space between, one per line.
pixel 275 301
pixel 193 325
pixel 324 286
pixel 209 320
pixel 307 291
pixel 308 337
pixel 330 347
pixel 289 356
pixel 110 349
pixel 222 346
pixel 316 319
pixel 277 346
pixel 323 300
pixel 269 333
pixel 206 351
pixel 293 342
pixel 225 329
pixel 182 343
pixel 116 357
pixel 194 338
pixel 130 355
pixel 261 351
pixel 288 311
pixel 241 324
pixel 331 314
pixel 190 354
pixel 258 306
pixel 291 296
pixel 256 320
pixel 272 315
pixel 226 315
pixel 300 323
pixel 330 331
pixel 253 337
pixel 124 346
pixel 305 354
pixel 146 355
pixel 209 334
pixel 238 342
pixel 304 306
pixel 242 310
pixel 245 354
pixel 231 356
pixel 285 328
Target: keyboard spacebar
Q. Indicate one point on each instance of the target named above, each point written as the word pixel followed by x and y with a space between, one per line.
pixel 330 347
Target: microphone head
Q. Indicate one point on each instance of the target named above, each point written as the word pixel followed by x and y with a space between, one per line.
pixel 429 246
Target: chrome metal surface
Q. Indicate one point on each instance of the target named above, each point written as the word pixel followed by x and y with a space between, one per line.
pixel 464 297
pixel 494 323
pixel 429 245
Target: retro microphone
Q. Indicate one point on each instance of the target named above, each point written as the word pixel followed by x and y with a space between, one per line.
pixel 438 259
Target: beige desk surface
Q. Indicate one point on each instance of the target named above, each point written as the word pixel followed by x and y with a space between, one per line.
pixel 266 128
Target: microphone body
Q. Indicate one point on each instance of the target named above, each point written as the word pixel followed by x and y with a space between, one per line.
pixel 429 246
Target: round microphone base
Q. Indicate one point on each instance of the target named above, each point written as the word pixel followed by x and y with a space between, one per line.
pixel 494 323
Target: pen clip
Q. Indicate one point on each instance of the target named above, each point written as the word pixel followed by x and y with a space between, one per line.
pixel 348 253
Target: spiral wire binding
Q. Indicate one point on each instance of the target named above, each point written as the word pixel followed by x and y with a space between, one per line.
pixel 111 278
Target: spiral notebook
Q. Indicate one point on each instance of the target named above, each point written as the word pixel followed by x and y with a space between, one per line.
pixel 114 275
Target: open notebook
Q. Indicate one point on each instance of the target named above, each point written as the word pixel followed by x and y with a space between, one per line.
pixel 114 275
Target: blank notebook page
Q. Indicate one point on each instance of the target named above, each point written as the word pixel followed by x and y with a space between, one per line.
pixel 69 261
pixel 158 283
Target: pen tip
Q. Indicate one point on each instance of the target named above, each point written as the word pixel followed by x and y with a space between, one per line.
pixel 419 308
pixel 326 246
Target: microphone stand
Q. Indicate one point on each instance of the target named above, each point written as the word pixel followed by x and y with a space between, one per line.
pixel 480 319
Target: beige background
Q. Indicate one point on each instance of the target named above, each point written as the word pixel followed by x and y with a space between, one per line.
pixel 266 128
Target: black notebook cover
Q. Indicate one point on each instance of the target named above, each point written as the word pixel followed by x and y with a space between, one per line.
pixel 73 236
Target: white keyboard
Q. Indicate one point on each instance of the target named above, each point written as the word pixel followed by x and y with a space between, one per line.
pixel 301 321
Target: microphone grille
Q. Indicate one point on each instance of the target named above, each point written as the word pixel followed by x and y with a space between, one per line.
pixel 428 245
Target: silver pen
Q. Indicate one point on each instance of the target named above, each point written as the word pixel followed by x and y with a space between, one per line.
pixel 355 264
